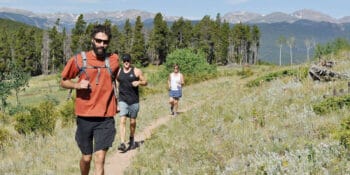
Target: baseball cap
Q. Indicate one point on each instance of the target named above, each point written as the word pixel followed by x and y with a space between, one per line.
pixel 126 57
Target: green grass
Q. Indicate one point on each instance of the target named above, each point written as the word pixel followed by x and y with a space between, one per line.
pixel 227 128
pixel 41 88
pixel 270 129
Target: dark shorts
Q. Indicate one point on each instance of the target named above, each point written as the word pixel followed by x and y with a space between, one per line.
pixel 175 93
pixel 94 133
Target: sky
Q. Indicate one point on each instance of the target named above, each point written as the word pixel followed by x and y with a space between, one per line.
pixel 191 9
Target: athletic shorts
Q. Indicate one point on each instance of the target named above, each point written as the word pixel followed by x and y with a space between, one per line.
pixel 175 93
pixel 129 111
pixel 94 133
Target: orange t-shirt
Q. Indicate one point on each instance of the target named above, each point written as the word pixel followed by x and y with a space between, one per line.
pixel 99 99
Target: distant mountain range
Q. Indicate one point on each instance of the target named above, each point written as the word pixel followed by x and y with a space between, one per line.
pixel 305 14
pixel 45 20
pixel 302 24
pixel 119 17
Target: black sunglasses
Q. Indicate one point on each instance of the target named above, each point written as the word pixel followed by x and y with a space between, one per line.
pixel 126 61
pixel 99 41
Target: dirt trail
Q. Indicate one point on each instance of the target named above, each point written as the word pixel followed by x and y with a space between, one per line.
pixel 118 162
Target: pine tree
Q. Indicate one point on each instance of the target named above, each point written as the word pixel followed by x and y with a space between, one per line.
pixel 25 50
pixel 223 50
pixel 138 47
pixel 78 34
pixel 180 34
pixel 255 33
pixel 56 49
pixel 217 39
pixel 67 52
pixel 115 42
pixel 242 42
pixel 5 52
pixel 159 39
pixel 203 36
pixel 127 39
pixel 45 53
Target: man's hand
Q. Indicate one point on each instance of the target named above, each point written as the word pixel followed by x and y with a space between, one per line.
pixel 83 84
pixel 135 83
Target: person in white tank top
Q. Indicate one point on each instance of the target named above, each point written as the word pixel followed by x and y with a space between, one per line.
pixel 175 83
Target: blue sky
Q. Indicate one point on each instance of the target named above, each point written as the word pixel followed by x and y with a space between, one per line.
pixel 193 9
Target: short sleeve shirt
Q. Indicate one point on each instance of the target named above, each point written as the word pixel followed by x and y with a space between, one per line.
pixel 98 100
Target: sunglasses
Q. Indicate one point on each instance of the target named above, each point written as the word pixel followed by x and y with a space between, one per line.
pixel 99 41
pixel 124 61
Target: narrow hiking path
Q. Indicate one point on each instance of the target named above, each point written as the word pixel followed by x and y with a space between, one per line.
pixel 117 162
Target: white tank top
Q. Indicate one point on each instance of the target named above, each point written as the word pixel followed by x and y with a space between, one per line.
pixel 175 81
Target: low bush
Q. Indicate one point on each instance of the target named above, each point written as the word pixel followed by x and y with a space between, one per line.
pixel 245 72
pixel 344 133
pixel 331 104
pixel 38 120
pixel 67 113
pixel 193 66
pixel 4 137
pixel 300 73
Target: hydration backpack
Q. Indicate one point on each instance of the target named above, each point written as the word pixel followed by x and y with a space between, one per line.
pixel 86 66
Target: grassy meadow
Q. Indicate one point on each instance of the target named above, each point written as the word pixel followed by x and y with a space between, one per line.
pixel 225 127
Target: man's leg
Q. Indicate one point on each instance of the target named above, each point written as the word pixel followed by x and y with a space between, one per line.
pixel 85 164
pixel 100 156
pixel 83 137
pixel 132 144
pixel 122 130
pixel 134 109
pixel 132 126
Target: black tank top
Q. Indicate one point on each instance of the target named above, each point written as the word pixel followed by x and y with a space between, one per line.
pixel 127 92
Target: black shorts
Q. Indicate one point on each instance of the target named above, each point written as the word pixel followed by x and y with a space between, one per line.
pixel 100 130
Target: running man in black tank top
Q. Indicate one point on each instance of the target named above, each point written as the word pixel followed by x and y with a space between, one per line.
pixel 129 79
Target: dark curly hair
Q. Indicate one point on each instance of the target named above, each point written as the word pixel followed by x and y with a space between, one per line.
pixel 101 28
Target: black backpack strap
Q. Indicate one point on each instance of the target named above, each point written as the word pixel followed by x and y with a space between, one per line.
pixel 85 66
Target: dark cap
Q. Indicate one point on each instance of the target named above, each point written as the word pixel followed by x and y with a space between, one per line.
pixel 126 57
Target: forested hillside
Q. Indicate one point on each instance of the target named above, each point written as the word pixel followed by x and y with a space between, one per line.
pixel 10 25
pixel 304 32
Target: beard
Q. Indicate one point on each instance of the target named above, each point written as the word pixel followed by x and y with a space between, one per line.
pixel 99 51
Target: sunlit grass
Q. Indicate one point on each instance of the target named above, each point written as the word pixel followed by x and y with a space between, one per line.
pixel 225 128
pixel 270 129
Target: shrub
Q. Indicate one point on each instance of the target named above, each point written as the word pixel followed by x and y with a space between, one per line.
pixel 193 65
pixel 4 137
pixel 331 104
pixel 3 118
pixel 38 120
pixel 16 109
pixel 300 73
pixel 245 72
pixel 344 133
pixel 67 113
